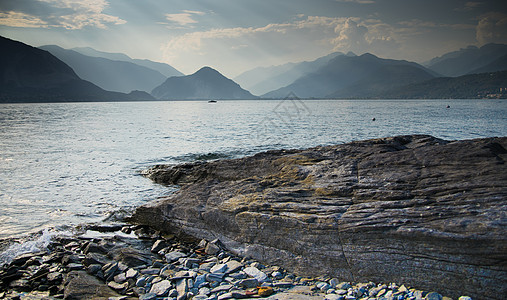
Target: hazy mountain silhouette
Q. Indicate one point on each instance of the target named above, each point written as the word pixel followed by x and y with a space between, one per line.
pixel 466 60
pixel 354 75
pixel 471 86
pixel 164 69
pixel 206 83
pixel 28 74
pixel 499 64
pixel 264 79
pixel 113 75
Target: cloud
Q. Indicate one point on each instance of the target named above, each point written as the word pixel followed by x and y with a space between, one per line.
pixel 19 19
pixel 184 18
pixel 492 28
pixel 469 6
pixel 68 14
pixel 275 43
pixel 350 36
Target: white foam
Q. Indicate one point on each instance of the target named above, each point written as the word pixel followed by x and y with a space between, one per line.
pixel 38 244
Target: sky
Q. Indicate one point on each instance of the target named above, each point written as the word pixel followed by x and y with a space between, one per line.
pixel 234 36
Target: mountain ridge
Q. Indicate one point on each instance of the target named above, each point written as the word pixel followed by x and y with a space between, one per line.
pixel 261 80
pixel 466 60
pixel 344 71
pixel 206 83
pixel 164 69
pixel 113 75
pixel 29 74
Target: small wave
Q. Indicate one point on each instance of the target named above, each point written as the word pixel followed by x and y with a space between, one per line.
pixel 38 243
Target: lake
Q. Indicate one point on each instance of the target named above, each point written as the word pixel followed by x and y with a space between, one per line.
pixel 72 163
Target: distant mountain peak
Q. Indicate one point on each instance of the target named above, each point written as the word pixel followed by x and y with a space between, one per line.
pixel 206 83
pixel 207 70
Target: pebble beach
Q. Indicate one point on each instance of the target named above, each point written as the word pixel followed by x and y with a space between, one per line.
pixel 137 262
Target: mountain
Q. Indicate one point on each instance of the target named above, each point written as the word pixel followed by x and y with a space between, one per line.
pixel 354 76
pixel 264 79
pixel 113 75
pixel 28 74
pixel 497 65
pixel 467 60
pixel 473 86
pixel 206 83
pixel 164 69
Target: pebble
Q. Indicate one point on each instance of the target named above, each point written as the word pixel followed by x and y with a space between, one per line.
pixel 175 270
pixel 256 273
pixel 161 288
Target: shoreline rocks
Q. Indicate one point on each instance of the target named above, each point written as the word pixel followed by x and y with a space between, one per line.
pixel 413 209
pixel 80 267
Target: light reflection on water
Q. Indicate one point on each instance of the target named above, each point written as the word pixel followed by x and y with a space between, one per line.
pixel 76 162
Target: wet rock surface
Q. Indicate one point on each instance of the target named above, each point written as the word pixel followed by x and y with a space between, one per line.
pixel 195 274
pixel 413 209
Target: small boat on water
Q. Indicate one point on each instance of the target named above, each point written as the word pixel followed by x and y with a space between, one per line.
pixel 212 101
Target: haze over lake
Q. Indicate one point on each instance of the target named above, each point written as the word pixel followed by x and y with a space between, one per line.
pixel 73 163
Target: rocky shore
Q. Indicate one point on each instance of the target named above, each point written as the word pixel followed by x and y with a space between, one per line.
pixel 414 209
pixel 408 217
pixel 140 263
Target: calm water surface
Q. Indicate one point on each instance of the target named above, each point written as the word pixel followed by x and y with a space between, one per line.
pixel 73 163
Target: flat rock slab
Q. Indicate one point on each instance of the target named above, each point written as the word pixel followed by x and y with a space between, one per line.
pixel 412 209
pixel 80 285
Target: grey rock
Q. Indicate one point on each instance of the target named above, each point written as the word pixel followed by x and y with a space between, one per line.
pixel 233 266
pixel 343 286
pixel 131 257
pixel 433 296
pixel 220 268
pixel 150 271
pixel 225 296
pixel 174 256
pixel 222 288
pixel 131 273
pixel 343 292
pixel 120 278
pixel 212 249
pixel 248 283
pixel 141 281
pixel 256 273
pixel 412 209
pixel 323 286
pixel 75 266
pixel 182 288
pixel 148 296
pixel 161 288
pixel 334 282
pixel 80 285
pixel 117 286
pixel 334 297
pixel 207 266
pixel 277 275
pixel 54 277
pixel 158 245
pixel 215 277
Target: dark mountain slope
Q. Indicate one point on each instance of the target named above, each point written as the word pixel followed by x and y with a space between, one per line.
pixel 473 86
pixel 164 69
pixel 465 61
pixel 499 64
pixel 28 74
pixel 345 72
pixel 109 74
pixel 264 79
pixel 206 83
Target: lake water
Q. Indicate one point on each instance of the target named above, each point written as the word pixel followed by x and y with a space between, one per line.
pixel 72 163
